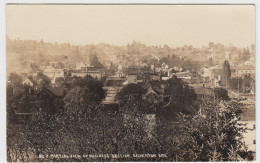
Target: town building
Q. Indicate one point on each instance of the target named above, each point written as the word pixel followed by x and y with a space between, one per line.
pixel 112 86
pixel 241 71
pixel 52 72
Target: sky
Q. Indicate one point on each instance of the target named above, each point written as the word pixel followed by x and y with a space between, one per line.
pixel 174 25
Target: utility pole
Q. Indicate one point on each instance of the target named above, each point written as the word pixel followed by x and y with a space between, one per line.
pixel 154 67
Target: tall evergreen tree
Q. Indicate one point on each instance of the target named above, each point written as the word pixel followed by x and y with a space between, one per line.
pixel 226 74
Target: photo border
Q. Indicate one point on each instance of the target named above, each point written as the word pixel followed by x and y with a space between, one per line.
pixel 3 4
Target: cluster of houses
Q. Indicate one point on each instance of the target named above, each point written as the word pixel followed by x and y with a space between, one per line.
pixel 150 78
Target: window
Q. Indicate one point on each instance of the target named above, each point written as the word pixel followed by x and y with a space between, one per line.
pixel 254 142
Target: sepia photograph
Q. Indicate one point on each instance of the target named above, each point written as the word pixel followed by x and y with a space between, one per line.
pixel 130 82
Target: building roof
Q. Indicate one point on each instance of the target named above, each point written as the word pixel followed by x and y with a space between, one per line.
pixel 114 83
pixel 203 91
pixel 56 91
pixel 24 108
pixel 69 79
pixel 31 80
pixel 154 85
pixel 59 92
pixel 59 79
pixel 243 68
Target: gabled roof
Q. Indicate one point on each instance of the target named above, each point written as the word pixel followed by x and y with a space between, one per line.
pixel 24 108
pixel 31 80
pixel 151 90
pixel 56 91
pixel 67 85
pixel 155 85
pixel 53 91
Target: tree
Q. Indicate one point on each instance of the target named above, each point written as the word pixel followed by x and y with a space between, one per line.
pixel 236 84
pixel 130 91
pixel 86 90
pixel 15 79
pixel 213 134
pixel 247 84
pixel 182 97
pixel 226 74
pixel 221 94
pixel 246 54
pixel 45 80
pixel 94 61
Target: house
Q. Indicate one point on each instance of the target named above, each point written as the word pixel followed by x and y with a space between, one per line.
pixel 80 66
pixel 95 74
pixel 52 72
pixel 112 86
pixel 202 85
pixel 114 81
pixel 209 71
pixel 99 69
pixel 183 75
pixel 203 93
pixel 51 92
pixel 133 78
pixel 241 71
pixel 154 76
pixel 66 86
pixel 23 111
pixel 84 73
pixel 111 93
pixel 29 81
pixel 57 82
pixel 155 91
pixel 78 73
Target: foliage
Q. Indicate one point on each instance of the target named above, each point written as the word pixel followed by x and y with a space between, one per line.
pixel 15 79
pixel 182 97
pixel 243 85
pixel 210 132
pixel 236 84
pixel 87 90
pixel 226 74
pixel 221 93
pixel 213 134
pixel 246 54
pixel 130 91
pixel 94 61
pixel 248 84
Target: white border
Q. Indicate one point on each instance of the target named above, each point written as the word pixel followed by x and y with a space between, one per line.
pixel 3 48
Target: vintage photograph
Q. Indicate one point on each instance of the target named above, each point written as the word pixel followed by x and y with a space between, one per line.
pixel 130 83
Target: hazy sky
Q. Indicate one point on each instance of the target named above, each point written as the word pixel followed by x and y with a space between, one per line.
pixel 174 25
